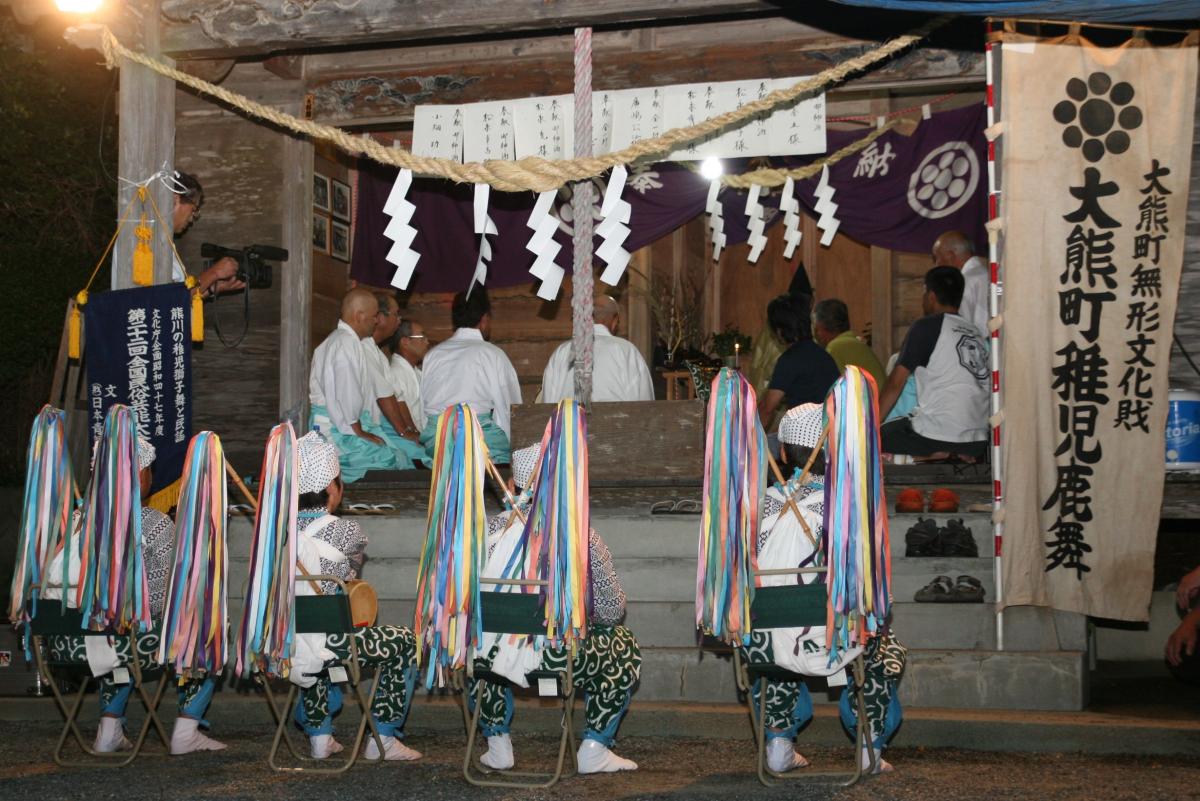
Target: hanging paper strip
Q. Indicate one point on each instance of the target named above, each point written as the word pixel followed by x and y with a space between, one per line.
pixel 268 629
pixel 543 246
pixel 401 231
pixel 857 549
pixel 112 592
pixel 613 230
pixel 46 512
pixel 735 470
pixel 446 622
pixel 754 210
pixel 484 227
pixel 716 223
pixel 554 543
pixel 826 208
pixel 790 207
pixel 194 628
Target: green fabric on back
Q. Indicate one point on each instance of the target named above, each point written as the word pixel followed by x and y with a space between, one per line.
pixel 323 614
pixel 789 606
pixel 512 612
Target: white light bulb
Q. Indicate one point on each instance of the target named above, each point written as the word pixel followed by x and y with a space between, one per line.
pixel 78 6
pixel 711 168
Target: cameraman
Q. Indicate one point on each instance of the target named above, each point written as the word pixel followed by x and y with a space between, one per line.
pixel 222 275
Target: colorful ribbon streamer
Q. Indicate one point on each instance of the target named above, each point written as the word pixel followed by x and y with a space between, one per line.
pixel 735 471
pixel 446 622
pixel 46 513
pixel 268 630
pixel 194 628
pixel 112 592
pixel 857 548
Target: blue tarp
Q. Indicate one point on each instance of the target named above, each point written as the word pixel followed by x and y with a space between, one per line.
pixel 1080 10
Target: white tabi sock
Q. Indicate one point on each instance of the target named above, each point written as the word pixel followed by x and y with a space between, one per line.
pixel 323 746
pixel 499 755
pixel 782 757
pixel 110 737
pixel 186 737
pixel 393 750
pixel 594 757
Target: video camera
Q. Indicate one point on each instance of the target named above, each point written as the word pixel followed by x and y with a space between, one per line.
pixel 252 261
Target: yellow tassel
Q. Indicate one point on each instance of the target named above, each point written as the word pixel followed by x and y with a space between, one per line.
pixel 143 255
pixel 165 498
pixel 197 311
pixel 75 327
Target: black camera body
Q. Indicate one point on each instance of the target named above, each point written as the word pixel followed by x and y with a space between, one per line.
pixel 253 261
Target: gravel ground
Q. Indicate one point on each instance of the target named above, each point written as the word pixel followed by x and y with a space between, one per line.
pixel 671 769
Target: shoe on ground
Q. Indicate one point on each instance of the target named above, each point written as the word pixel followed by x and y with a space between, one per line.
pixel 594 757
pixel 923 539
pixel 186 737
pixel 956 540
pixel 110 737
pixel 323 746
pixel 968 590
pixel 499 755
pixel 940 590
pixel 393 750
pixel 943 501
pixel 881 764
pixel 782 757
pixel 910 501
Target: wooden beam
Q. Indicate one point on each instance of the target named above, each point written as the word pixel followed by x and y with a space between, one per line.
pixel 146 141
pixel 638 324
pixel 212 70
pixel 204 29
pixel 389 94
pixel 296 187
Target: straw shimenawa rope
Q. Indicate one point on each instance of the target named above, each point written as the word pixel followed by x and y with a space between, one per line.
pixel 530 173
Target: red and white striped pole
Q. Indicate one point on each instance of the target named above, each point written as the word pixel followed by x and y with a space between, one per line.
pixel 996 288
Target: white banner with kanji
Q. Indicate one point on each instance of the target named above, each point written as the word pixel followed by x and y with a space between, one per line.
pixel 1095 150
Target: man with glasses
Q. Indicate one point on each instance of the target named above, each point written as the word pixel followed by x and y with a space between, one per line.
pixel 409 346
pixel 221 276
pixel 386 417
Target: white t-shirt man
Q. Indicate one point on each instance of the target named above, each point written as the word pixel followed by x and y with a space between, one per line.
pixel 948 357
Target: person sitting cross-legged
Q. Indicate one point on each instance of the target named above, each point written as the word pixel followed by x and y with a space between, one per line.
pixel 606 665
pixel 783 542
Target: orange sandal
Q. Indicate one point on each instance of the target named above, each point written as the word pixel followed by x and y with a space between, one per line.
pixel 910 501
pixel 943 501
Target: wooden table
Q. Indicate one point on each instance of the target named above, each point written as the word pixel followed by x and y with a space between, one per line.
pixel 673 377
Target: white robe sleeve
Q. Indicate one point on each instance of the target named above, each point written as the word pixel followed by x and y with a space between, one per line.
pixel 506 392
pixel 341 379
pixel 641 384
pixel 554 378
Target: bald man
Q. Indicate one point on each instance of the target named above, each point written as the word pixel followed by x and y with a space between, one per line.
pixel 338 387
pixel 619 373
pixel 954 249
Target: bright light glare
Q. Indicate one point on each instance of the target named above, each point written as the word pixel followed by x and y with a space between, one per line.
pixel 711 168
pixel 78 6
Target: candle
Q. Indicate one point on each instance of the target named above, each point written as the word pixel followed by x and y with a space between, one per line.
pixel 737 351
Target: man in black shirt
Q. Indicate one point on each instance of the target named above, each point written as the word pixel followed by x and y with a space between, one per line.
pixel 805 371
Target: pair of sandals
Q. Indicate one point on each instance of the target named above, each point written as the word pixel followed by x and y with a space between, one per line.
pixel 912 501
pixel 967 590
pixel 683 506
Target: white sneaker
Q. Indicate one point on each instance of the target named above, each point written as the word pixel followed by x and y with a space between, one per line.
pixel 393 750
pixel 782 757
pixel 110 737
pixel 881 764
pixel 323 746
pixel 596 758
pixel 499 755
pixel 186 737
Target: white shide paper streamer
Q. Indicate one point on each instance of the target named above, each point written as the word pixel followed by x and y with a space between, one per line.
pixel 613 230
pixel 754 210
pixel 484 226
pixel 828 221
pixel 543 246
pixel 716 222
pixel 791 218
pixel 401 231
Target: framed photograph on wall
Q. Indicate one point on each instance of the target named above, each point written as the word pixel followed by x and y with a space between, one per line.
pixel 339 241
pixel 320 191
pixel 340 200
pixel 320 234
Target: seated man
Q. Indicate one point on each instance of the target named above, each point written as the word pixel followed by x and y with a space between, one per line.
pixel 466 368
pixel 388 418
pixel 158 542
pixel 337 390
pixel 783 542
pixel 619 373
pixel 804 372
pixel 606 666
pixel 831 329
pixel 334 546
pixel 409 346
pixel 1183 658
pixel 949 358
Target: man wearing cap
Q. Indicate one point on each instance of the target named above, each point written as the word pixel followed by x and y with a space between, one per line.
pixel 469 369
pixel 784 542
pixel 158 541
pixel 331 545
pixel 619 373
pixel 606 666
pixel 343 392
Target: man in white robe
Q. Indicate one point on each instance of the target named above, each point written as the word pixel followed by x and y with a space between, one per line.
pixel 619 373
pixel 386 417
pixel 954 249
pixel 336 391
pixel 466 368
pixel 409 347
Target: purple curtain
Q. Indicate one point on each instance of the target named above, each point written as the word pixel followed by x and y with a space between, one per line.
pixel 900 194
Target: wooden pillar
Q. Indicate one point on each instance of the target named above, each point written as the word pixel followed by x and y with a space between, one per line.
pixel 296 185
pixel 638 325
pixel 881 303
pixel 146 141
